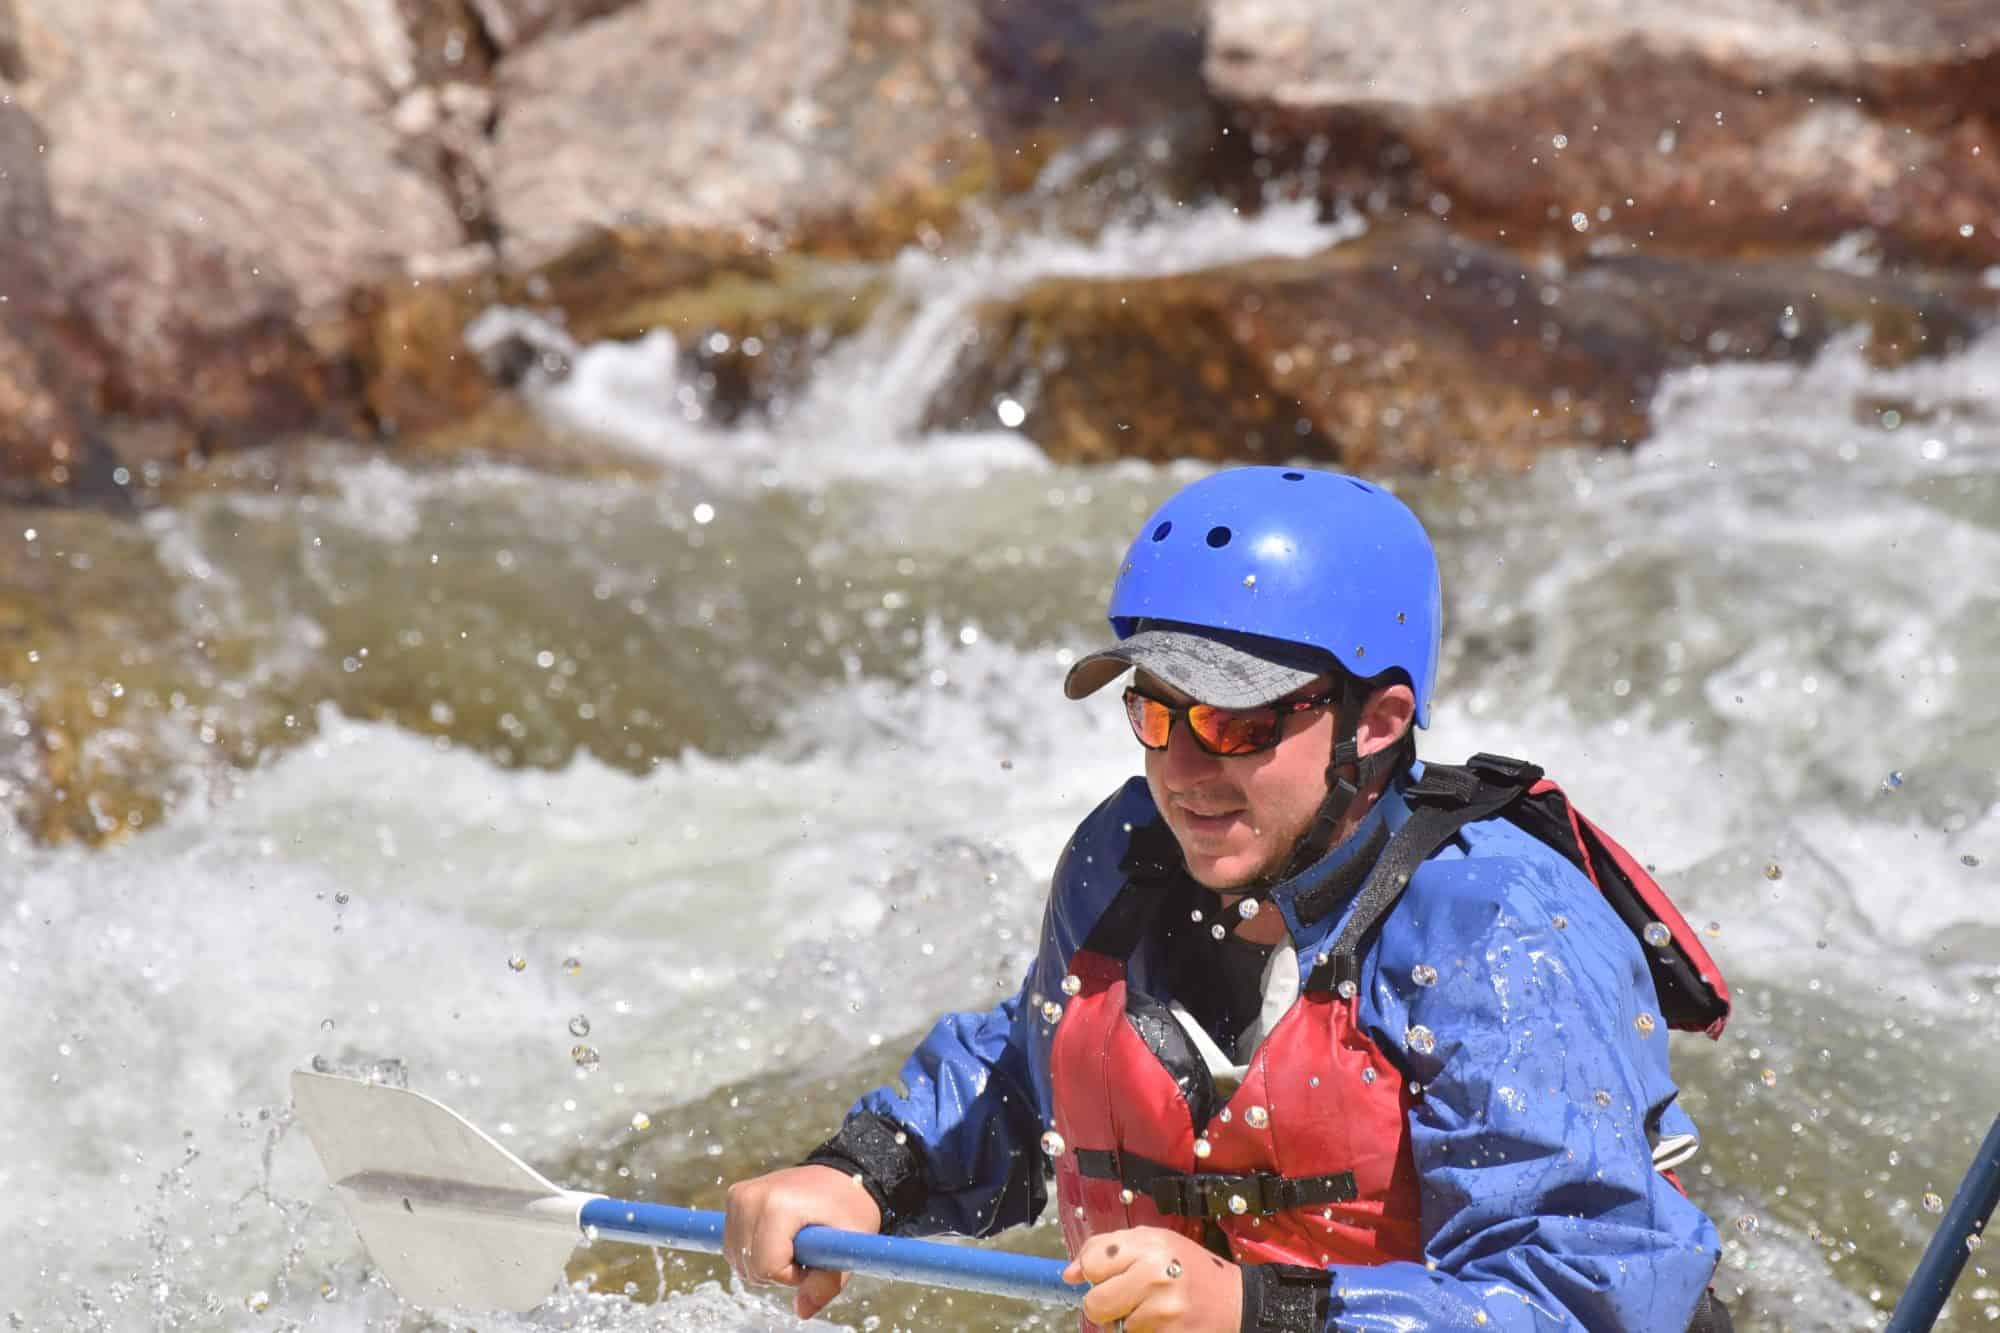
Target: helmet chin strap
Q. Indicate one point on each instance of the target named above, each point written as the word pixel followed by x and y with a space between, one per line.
pixel 1341 788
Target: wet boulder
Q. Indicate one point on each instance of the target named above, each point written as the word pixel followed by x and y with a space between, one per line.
pixel 1411 349
pixel 1719 128
pixel 217 181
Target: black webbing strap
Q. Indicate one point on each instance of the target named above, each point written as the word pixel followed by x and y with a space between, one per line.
pixel 1217 1195
pixel 1327 895
pixel 1447 798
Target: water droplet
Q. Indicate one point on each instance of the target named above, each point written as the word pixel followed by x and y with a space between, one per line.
pixel 1893 781
pixel 1126 1196
pixel 1053 1145
pixel 1202 1147
pixel 1368 1073
pixel 1561 141
pixel 641 1121
pixel 1195 915
pixel 1249 580
pixel 1969 861
pixel 1580 221
pixel 704 513
pixel 1217 930
pixel 1932 1203
pixel 1226 1116
pixel 586 1057
pixel 1348 990
pixel 1965 230
pixel 1256 1117
pixel 572 965
pixel 326 1025
pixel 258 1301
pixel 1238 1205
pixel 1657 935
pixel 1602 1097
pixel 343 898
pixel 1421 1039
pixel 1973 1242
pixel 1011 413
pixel 1313 1082
pixel 1559 921
pixel 1747 1223
pixel 1424 974
pixel 1645 1024
pixel 1770 1077
pixel 1051 1011
pixel 518 963
pixel 1072 984
pixel 1712 929
pixel 579 1026
pixel 1416 1088
pixel 1774 872
pixel 1248 908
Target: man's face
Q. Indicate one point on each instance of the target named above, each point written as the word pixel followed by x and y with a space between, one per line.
pixel 1238 818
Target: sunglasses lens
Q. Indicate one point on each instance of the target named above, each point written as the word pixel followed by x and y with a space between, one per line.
pixel 1229 731
pixel 1151 719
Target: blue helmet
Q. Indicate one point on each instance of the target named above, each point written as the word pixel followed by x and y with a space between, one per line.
pixel 1309 558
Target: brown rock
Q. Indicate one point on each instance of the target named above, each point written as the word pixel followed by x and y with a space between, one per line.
pixel 1411 350
pixel 513 23
pixel 1716 127
pixel 49 366
pixel 220 179
pixel 740 116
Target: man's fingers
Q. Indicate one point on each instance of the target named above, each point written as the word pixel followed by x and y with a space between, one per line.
pixel 816 1291
pixel 1114 1298
pixel 1102 1257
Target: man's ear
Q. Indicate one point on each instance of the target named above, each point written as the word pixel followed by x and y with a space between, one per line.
pixel 1385 718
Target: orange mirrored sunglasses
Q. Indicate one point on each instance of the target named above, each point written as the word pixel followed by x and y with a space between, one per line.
pixel 1227 732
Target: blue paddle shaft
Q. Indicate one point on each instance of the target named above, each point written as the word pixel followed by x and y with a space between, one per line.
pixel 1938 1270
pixel 962 1267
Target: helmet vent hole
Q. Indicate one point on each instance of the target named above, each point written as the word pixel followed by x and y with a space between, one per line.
pixel 1219 536
pixel 1295 476
pixel 1160 533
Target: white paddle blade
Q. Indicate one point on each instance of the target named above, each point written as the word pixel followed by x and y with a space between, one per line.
pixel 450 1217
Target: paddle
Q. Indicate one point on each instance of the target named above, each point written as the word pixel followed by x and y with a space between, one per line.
pixel 451 1218
pixel 1951 1244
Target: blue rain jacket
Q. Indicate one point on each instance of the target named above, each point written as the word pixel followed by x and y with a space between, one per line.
pixel 1543 1095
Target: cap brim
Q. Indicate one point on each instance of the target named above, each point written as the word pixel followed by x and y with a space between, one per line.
pixel 1203 667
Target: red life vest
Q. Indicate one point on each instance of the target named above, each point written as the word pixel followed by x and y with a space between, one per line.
pixel 1308 1162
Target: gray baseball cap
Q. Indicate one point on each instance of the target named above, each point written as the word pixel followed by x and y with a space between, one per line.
pixel 1209 665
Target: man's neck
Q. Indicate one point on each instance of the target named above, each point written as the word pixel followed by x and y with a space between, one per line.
pixel 1270 927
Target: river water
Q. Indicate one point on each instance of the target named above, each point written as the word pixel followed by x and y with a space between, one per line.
pixel 754 767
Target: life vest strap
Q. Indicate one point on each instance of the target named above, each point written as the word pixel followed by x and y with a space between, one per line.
pixel 1446 800
pixel 1215 1194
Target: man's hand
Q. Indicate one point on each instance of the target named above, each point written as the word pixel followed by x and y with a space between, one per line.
pixel 764 1214
pixel 1156 1279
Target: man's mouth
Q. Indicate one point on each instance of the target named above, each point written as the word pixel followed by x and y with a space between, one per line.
pixel 1209 814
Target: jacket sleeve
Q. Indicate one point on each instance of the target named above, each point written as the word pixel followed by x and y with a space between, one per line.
pixel 968 1114
pixel 1542 1060
pixel 959 1148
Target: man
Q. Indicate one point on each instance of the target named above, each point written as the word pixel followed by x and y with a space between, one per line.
pixel 1315 1038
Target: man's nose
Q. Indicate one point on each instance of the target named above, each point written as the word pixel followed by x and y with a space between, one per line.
pixel 1187 763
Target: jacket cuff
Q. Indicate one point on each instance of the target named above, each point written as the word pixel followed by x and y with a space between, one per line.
pixel 1285 1298
pixel 886 1159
